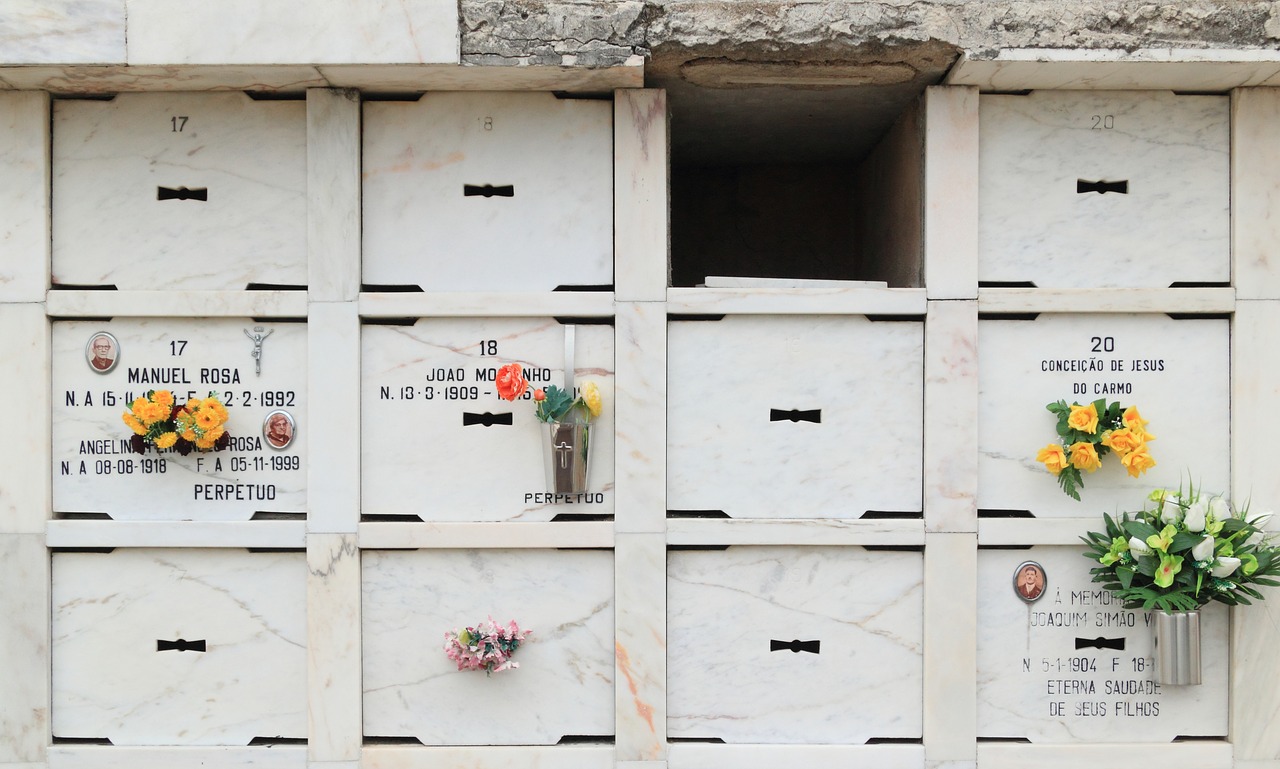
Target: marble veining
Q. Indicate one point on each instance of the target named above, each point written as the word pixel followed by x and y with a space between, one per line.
pixel 110 680
pixel 1028 659
pixel 62 32
pixel 318 31
pixel 419 456
pixel 564 685
pixel 555 228
pixel 1171 226
pixel 724 609
pixel 249 157
pixel 1177 372
pixel 727 378
pixel 93 470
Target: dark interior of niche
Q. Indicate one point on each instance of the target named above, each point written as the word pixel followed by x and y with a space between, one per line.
pixel 796 181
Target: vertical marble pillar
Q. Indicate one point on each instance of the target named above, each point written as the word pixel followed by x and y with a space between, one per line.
pixel 24 649
pixel 24 379
pixel 640 579
pixel 333 648
pixel 951 192
pixel 1255 706
pixel 950 647
pixel 951 416
pixel 1255 192
pixel 641 417
pixel 641 264
pixel 24 195
pixel 333 192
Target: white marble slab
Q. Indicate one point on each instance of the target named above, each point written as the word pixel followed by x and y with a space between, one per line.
pixel 556 228
pixel 190 357
pixel 696 755
pixel 62 31
pixel 640 693
pixel 24 649
pixel 110 680
pixel 1255 186
pixel 1035 682
pixel 1171 226
pixel 292 31
pixel 24 196
pixel 641 234
pixel 24 378
pixel 249 157
pixel 1187 402
pixel 951 187
pixel 333 194
pixel 418 456
pixel 111 756
pixel 950 645
pixel 564 685
pixel 726 378
pixel 489 757
pixel 333 389
pixel 333 644
pixel 641 411
pixel 950 400
pixel 725 607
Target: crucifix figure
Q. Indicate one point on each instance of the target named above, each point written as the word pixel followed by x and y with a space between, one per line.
pixel 257 338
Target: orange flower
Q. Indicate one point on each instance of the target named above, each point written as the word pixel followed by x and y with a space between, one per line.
pixel 1084 456
pixel 1083 418
pixel 1055 461
pixel 1123 440
pixel 510 382
pixel 133 423
pixel 1137 462
pixel 1134 421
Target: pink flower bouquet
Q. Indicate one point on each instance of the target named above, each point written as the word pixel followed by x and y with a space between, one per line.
pixel 487 647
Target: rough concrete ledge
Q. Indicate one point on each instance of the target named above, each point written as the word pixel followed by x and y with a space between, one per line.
pixel 602 32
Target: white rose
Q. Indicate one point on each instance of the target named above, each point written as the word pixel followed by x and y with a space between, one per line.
pixel 1195 520
pixel 1225 566
pixel 1254 539
pixel 1170 511
pixel 1220 508
pixel 1138 547
pixel 1203 550
pixel 1197 510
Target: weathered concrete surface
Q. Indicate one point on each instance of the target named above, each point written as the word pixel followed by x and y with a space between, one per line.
pixel 599 32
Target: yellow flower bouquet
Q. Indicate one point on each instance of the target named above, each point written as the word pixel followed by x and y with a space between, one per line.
pixel 1089 432
pixel 199 424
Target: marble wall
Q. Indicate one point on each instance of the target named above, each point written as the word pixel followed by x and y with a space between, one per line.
pixel 807 501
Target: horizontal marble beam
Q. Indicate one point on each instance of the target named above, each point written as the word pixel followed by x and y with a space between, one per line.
pixel 595 304
pixel 97 533
pixel 486 535
pixel 202 304
pixel 715 531
pixel 1176 300
pixel 792 301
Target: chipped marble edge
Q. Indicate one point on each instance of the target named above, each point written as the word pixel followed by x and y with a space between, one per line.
pixel 1198 69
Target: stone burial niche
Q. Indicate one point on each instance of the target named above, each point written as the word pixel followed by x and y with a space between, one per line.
pixel 804 168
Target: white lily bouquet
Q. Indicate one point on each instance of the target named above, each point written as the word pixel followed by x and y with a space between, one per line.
pixel 1183 550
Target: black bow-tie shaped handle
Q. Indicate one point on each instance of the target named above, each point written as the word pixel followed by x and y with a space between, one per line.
pixel 182 193
pixel 795 646
pixel 796 415
pixel 180 645
pixel 1101 187
pixel 486 419
pixel 1100 643
pixel 489 190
